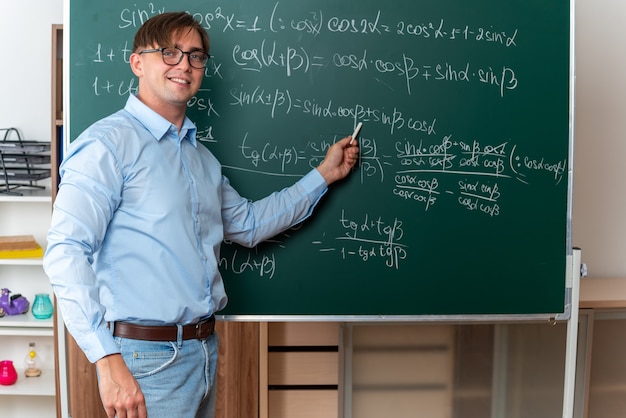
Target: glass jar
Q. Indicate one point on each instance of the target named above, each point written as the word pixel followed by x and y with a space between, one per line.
pixel 31 362
pixel 42 306
pixel 8 374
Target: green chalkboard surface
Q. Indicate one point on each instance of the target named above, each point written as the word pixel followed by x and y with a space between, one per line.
pixel 460 202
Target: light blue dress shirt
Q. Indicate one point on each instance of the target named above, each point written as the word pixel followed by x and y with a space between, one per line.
pixel 138 222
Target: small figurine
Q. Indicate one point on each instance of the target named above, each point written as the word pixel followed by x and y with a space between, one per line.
pixel 31 368
pixel 13 305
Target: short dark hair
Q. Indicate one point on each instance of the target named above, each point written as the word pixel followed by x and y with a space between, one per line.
pixel 160 29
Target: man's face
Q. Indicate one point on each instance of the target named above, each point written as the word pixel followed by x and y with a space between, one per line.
pixel 162 86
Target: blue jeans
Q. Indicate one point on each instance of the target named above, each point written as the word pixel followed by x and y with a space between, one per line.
pixel 177 378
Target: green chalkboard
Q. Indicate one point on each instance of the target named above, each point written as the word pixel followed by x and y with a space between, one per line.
pixel 460 202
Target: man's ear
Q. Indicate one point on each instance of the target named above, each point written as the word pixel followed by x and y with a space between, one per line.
pixel 136 64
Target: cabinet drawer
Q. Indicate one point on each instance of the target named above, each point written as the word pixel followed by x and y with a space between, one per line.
pixel 303 404
pixel 308 368
pixel 303 334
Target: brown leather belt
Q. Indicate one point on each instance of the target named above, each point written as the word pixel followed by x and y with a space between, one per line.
pixel 202 330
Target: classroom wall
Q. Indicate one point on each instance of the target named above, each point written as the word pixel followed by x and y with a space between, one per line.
pixel 25 77
pixel 599 210
pixel 599 193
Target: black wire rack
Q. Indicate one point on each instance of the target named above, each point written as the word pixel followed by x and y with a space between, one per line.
pixel 22 163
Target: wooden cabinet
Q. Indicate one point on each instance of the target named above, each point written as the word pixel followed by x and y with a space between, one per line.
pixel 300 370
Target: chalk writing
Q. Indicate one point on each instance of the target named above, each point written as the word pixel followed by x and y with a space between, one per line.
pixel 243 261
pixel 440 94
pixel 369 239
pixel 136 17
pixel 284 101
pixel 269 153
pixel 268 55
pixel 315 22
pixel 422 165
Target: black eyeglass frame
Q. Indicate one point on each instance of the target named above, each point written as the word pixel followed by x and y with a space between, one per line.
pixel 183 53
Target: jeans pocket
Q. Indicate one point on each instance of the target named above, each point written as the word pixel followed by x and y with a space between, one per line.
pixel 145 358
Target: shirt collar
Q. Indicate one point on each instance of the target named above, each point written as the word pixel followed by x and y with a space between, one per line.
pixel 157 124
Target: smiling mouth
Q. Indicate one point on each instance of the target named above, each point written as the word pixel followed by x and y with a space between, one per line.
pixel 179 80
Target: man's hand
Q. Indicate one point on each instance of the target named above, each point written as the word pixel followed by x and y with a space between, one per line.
pixel 120 393
pixel 339 161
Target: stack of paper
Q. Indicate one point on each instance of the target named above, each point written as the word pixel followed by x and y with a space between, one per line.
pixel 19 246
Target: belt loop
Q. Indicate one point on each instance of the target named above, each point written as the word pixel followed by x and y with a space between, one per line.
pixel 111 326
pixel 179 335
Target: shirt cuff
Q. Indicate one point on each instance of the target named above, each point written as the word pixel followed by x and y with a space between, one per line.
pixel 98 345
pixel 314 184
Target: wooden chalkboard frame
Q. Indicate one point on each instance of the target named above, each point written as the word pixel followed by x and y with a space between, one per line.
pixel 510 306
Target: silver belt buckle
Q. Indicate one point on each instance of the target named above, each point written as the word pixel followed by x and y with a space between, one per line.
pixel 203 328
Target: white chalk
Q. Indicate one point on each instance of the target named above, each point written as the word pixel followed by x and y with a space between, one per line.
pixel 356 131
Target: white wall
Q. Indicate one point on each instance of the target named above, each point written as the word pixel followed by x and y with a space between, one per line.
pixel 599 210
pixel 25 77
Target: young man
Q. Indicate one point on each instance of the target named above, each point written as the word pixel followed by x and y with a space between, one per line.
pixel 139 217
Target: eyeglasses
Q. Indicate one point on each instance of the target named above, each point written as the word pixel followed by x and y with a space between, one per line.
pixel 173 56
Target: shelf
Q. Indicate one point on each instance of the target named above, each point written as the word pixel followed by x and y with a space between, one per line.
pixel 21 261
pixel 31 386
pixel 26 325
pixel 28 196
